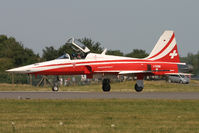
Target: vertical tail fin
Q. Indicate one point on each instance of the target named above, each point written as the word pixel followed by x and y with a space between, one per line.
pixel 165 49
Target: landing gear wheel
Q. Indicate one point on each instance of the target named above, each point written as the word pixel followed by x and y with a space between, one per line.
pixel 106 85
pixel 55 87
pixel 137 88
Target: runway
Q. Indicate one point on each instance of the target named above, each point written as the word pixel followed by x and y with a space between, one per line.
pixel 99 95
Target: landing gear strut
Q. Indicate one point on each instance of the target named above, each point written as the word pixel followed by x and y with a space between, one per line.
pixel 106 85
pixel 55 86
pixel 139 85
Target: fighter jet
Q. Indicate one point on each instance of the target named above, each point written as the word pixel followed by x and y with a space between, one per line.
pixel 163 60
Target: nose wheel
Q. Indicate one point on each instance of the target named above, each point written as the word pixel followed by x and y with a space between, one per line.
pixel 55 86
pixel 106 85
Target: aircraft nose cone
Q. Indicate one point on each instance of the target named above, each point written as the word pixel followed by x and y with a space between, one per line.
pixel 15 70
pixel 9 70
pixel 18 70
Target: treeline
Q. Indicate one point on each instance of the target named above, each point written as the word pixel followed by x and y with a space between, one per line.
pixel 192 59
pixel 14 54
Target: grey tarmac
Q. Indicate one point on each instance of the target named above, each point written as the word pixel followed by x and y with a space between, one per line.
pixel 99 95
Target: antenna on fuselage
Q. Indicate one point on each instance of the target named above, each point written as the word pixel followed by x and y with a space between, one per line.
pixel 104 52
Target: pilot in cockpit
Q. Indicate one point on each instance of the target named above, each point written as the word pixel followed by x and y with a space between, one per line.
pixel 64 56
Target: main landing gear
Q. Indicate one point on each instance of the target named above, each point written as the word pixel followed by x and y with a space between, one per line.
pixel 139 85
pixel 55 86
pixel 106 85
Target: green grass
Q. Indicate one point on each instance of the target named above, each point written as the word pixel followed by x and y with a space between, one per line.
pixel 103 116
pixel 128 86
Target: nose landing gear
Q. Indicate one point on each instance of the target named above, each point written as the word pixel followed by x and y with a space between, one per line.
pixel 55 86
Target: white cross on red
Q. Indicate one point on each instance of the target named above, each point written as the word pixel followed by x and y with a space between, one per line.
pixel 173 54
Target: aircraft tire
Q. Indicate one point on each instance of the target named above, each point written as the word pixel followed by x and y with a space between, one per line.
pixel 137 88
pixel 55 88
pixel 106 85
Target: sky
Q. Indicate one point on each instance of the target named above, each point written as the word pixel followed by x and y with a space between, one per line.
pixel 117 24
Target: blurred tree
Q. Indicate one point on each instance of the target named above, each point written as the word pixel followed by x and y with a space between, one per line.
pixel 114 52
pixel 192 59
pixel 95 47
pixel 13 50
pixel 49 53
pixel 13 54
pixel 6 63
pixel 137 53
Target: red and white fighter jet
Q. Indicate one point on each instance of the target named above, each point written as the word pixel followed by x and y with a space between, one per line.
pixel 163 60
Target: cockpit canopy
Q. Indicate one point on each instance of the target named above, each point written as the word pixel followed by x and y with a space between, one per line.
pixel 79 50
pixel 77 45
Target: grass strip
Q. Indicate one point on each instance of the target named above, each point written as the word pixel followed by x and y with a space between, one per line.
pixel 99 115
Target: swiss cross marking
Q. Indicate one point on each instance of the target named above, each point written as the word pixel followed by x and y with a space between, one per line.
pixel 173 54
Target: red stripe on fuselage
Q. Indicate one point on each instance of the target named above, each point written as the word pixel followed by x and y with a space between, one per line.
pixel 103 61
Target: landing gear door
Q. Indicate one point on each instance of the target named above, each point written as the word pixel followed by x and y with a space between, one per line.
pixel 77 45
pixel 148 67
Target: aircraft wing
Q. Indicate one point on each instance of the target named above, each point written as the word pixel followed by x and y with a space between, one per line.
pixel 133 72
pixel 124 72
pixel 188 74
